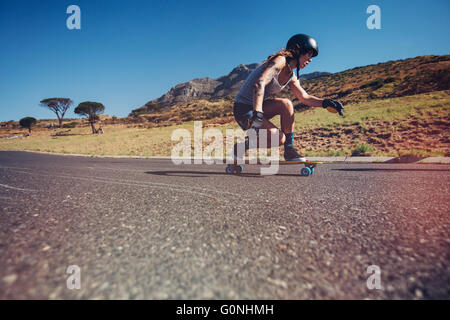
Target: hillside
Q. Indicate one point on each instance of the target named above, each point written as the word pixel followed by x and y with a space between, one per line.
pixel 383 80
pixel 206 89
pixel 392 108
pixel 411 125
pixel 379 81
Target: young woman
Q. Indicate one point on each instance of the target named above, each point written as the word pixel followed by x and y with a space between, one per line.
pixel 253 111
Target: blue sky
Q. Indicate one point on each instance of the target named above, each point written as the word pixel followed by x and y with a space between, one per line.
pixel 130 52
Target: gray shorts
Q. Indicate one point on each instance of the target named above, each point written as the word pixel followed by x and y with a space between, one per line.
pixel 242 114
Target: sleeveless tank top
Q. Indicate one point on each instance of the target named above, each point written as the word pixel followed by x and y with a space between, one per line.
pixel 245 94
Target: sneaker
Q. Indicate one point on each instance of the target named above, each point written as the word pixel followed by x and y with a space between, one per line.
pixel 291 155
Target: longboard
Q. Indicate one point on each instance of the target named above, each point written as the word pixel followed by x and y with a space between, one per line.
pixel 237 167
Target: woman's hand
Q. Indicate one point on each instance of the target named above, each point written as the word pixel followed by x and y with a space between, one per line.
pixel 333 106
pixel 256 121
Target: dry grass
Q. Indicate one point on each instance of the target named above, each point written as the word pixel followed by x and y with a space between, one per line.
pixel 374 82
pixel 407 125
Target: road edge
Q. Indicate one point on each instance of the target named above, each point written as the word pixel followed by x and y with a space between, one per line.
pixel 405 159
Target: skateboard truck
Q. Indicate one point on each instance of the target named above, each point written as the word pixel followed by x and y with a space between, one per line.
pixel 307 170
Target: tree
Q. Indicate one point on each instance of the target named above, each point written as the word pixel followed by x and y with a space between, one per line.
pixel 90 110
pixel 27 122
pixel 58 106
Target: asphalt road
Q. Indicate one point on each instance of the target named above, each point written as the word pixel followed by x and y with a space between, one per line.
pixel 148 229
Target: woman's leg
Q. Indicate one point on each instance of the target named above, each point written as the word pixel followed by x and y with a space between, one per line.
pixel 272 130
pixel 284 108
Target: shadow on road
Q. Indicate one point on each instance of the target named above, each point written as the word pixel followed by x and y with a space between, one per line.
pixel 389 169
pixel 405 159
pixel 203 174
pixel 56 135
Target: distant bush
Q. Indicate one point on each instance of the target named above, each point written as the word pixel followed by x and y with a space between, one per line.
pixel 372 96
pixel 213 114
pixel 389 80
pixel 138 113
pixel 153 107
pixel 28 123
pixel 362 150
pixel 375 84
pixel 186 113
pixel 72 124
pixel 363 128
pixel 336 153
pixel 344 93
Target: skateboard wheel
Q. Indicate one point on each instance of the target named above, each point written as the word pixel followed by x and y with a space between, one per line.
pixel 312 170
pixel 305 171
pixel 229 169
pixel 238 169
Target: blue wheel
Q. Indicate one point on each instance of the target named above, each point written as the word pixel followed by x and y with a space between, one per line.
pixel 312 170
pixel 238 169
pixel 229 169
pixel 305 171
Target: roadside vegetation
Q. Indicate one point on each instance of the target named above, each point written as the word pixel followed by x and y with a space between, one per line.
pixel 409 125
pixel 393 108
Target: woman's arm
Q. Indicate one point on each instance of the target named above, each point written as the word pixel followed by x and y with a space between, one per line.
pixel 273 68
pixel 331 105
pixel 302 95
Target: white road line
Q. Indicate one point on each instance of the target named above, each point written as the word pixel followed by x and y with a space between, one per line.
pixel 144 184
pixel 9 187
pixel 209 190
pixel 180 186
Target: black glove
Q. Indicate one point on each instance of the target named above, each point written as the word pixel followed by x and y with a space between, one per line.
pixel 333 106
pixel 256 120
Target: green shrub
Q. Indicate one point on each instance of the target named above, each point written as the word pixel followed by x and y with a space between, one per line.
pixel 344 93
pixel 336 153
pixel 153 107
pixel 362 128
pixel 389 80
pixel 71 125
pixel 362 150
pixel 28 122
pixel 186 113
pixel 213 114
pixel 375 84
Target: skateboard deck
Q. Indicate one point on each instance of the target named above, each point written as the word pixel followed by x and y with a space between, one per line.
pixel 237 167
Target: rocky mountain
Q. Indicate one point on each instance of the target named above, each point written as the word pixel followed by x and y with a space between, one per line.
pixel 207 88
pixel 384 80
pixel 313 75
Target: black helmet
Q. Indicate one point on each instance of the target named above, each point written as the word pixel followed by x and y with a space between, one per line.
pixel 303 42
